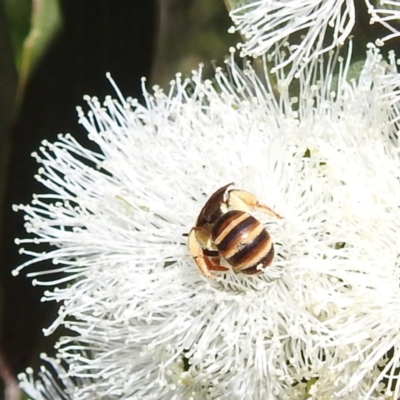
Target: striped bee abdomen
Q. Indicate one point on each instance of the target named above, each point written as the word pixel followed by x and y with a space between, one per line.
pixel 242 241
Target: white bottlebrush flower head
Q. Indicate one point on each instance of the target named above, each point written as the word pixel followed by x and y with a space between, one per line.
pixel 146 323
pixel 268 27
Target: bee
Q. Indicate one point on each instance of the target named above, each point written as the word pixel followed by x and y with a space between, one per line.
pixel 225 230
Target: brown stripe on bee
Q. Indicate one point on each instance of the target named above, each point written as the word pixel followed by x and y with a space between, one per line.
pixel 267 260
pixel 210 253
pixel 240 237
pixel 253 253
pixel 225 224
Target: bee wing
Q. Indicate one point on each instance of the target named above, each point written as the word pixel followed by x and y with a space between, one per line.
pixel 212 206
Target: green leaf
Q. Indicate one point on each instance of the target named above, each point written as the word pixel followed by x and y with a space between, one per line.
pixel 45 23
pixel 18 14
pixel 233 4
pixel 8 83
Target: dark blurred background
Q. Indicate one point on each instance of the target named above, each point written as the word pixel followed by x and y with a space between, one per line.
pixel 52 52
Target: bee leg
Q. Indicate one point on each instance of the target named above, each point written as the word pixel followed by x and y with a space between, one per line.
pixel 241 200
pixel 203 262
pixel 214 260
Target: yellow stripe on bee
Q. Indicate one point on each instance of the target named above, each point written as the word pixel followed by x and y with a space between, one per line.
pixel 256 256
pixel 242 240
pixel 235 221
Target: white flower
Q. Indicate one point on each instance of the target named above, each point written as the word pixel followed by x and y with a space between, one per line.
pixel 267 26
pixel 146 323
pixel 54 385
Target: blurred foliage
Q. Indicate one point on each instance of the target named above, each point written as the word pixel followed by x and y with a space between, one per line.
pixel 33 26
pixel 232 4
pixel 45 22
pixel 191 32
pixel 8 84
pixel 19 22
